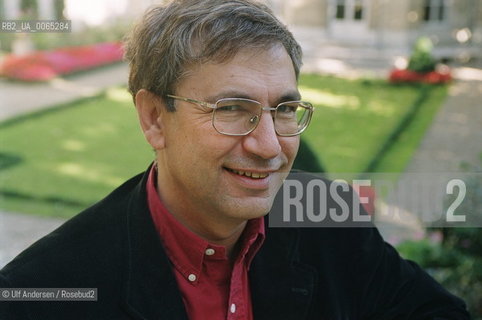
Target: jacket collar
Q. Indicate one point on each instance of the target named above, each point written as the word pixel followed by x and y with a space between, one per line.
pixel 150 287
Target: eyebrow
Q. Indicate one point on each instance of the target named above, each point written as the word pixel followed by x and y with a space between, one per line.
pixel 289 96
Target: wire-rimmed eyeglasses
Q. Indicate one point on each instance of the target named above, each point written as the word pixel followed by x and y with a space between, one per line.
pixel 239 116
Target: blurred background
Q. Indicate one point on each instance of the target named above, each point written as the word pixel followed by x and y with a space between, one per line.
pixel 397 86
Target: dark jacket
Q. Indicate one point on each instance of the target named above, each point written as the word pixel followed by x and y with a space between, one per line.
pixel 305 273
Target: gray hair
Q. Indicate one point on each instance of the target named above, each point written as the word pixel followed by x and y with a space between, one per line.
pixel 171 37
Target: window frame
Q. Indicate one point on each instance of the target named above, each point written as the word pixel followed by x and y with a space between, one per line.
pixel 435 11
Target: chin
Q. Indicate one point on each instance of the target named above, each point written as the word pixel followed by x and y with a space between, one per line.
pixel 251 209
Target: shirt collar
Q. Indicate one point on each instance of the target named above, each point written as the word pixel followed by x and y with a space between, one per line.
pixel 187 250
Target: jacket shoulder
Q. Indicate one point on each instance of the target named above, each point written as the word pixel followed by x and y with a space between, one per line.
pixel 358 265
pixel 84 249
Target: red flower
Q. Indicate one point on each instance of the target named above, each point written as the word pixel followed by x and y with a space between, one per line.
pixel 45 65
pixel 367 192
pixel 433 77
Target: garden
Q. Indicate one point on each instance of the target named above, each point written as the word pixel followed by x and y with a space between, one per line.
pixel 57 161
pixel 64 158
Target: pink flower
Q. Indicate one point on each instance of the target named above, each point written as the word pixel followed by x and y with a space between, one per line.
pixel 45 65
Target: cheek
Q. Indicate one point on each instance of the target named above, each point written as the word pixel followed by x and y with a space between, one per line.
pixel 290 147
pixel 216 146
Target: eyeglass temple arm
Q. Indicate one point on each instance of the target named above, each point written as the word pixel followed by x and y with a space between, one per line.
pixel 201 103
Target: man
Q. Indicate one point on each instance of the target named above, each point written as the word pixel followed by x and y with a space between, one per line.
pixel 215 87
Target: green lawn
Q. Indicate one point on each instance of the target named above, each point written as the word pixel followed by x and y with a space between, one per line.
pixel 58 161
pixel 353 119
pixel 75 154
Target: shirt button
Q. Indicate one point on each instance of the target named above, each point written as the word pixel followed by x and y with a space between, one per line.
pixel 233 308
pixel 210 252
pixel 192 277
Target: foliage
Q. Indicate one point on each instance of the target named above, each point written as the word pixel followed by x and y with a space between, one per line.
pixel 452 264
pixel 421 59
pixel 457 270
pixel 29 9
pixel 59 7
pixel 307 160
pixel 456 261
pixel 6 41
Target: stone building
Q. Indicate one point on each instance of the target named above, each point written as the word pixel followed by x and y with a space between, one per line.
pixel 383 28
pixel 349 29
pixel 45 9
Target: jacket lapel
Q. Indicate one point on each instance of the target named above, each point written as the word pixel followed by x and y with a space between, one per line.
pixel 150 288
pixel 281 287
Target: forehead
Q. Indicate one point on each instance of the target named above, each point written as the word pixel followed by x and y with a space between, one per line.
pixel 260 74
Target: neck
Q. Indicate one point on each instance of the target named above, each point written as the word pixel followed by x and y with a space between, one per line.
pixel 229 242
pixel 226 235
pixel 215 229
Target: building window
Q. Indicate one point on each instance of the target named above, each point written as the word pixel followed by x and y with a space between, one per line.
pixel 340 9
pixel 349 9
pixel 358 10
pixel 434 10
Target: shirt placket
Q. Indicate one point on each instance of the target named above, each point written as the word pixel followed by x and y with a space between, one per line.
pixel 237 303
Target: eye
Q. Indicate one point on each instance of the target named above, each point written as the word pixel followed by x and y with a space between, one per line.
pixel 287 108
pixel 231 107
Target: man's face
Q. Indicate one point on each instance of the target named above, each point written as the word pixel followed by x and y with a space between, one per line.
pixel 206 177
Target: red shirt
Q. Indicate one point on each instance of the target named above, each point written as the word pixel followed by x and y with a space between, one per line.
pixel 212 287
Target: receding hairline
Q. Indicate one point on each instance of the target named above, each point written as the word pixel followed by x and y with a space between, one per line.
pixel 252 50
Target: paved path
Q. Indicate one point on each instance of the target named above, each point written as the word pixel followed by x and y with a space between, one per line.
pixel 461 114
pixel 18 231
pixel 452 144
pixel 455 136
pixel 18 98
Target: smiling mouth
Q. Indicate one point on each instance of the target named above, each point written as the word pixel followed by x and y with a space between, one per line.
pixel 253 175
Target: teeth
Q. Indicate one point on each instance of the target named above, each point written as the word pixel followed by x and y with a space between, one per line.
pixel 253 175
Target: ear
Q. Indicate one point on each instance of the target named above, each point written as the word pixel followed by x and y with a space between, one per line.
pixel 150 109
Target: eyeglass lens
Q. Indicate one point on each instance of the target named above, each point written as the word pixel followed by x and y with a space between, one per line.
pixel 238 116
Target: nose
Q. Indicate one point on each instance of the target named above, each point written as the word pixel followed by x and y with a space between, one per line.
pixel 263 141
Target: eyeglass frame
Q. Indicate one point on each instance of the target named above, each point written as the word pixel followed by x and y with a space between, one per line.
pixel 214 106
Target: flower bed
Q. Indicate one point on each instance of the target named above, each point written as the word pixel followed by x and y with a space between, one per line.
pixel 432 77
pixel 369 197
pixel 45 65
